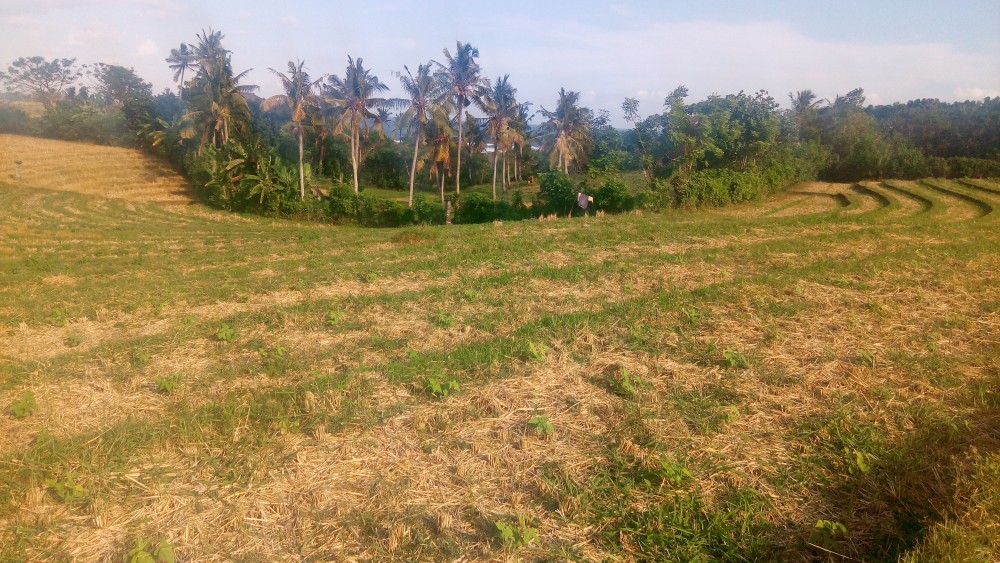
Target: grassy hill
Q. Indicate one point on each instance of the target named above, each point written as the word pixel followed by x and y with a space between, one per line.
pixel 802 378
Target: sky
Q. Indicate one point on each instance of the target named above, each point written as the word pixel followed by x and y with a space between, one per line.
pixel 897 50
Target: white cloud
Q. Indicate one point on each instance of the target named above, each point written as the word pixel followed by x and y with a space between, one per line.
pixel 289 20
pixel 976 93
pixel 146 48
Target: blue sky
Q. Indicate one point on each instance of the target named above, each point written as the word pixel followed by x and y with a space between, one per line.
pixel 895 50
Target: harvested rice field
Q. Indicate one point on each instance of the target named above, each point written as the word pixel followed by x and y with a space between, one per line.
pixel 815 377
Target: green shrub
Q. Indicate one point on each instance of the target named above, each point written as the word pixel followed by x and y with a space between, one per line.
pixel 613 196
pixel 556 193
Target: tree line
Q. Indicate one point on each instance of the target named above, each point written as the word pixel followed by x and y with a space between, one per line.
pixel 311 150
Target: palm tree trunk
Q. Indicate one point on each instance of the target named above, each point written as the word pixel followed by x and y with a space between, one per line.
pixel 458 170
pixel 413 167
pixel 355 153
pixel 496 153
pixel 441 172
pixel 302 171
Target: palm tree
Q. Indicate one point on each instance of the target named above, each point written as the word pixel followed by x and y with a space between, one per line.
pixel 298 95
pixel 522 136
pixel 804 104
pixel 463 80
pixel 217 104
pixel 425 92
pixel 497 101
pixel 180 60
pixel 439 131
pixel 566 131
pixel 354 93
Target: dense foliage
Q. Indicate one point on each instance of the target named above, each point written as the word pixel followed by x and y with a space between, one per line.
pixel 293 153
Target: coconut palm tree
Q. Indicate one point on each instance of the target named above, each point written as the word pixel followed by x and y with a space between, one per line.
pixel 298 96
pixel 355 94
pixel 439 133
pixel 497 101
pixel 425 104
pixel 566 131
pixel 217 105
pixel 181 60
pixel 461 74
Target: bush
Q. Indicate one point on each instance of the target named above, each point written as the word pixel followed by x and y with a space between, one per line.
pixel 556 193
pixel 427 212
pixel 613 196
pixel 13 120
pixel 343 202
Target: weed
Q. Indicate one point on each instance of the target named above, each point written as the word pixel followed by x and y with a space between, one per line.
pixel 441 385
pixel 626 385
pixel 68 488
pixel 140 358
pixel 168 383
pixel 536 352
pixel 736 360
pixel 145 552
pixel 444 320
pixel 276 360
pixel 867 358
pixel 226 333
pixel 333 317
pixel 72 340
pixel 826 532
pixel 516 533
pixel 674 472
pixel 541 425
pixel 23 405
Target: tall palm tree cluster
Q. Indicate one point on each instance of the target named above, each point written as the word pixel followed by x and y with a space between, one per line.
pixel 438 97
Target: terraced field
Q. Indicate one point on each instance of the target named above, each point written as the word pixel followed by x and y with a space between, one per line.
pixel 805 378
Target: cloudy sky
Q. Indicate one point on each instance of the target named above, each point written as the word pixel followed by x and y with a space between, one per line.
pixel 896 50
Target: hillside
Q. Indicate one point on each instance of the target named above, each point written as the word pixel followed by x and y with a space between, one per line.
pixel 110 172
pixel 811 375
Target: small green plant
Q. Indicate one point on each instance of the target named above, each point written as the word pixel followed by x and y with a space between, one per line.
pixel 168 383
pixel 140 358
pixel 441 385
pixel 736 360
pixel 861 461
pixel 23 405
pixel 333 317
pixel 674 472
pixel 516 534
pixel 444 320
pixel 145 552
pixel 57 316
pixel 826 532
pixel 276 360
pixel 626 385
pixel 226 333
pixel 867 358
pixel 369 277
pixel 73 340
pixel 691 316
pixel 68 489
pixel 536 353
pixel 541 424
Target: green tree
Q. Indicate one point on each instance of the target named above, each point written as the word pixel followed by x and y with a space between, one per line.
pixel 566 133
pixel 461 74
pixel 297 97
pixel 180 61
pixel 497 101
pixel 217 106
pixel 804 105
pixel 44 80
pixel 425 104
pixel 355 94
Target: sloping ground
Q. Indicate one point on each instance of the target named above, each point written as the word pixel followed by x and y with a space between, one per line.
pixel 788 380
pixel 110 172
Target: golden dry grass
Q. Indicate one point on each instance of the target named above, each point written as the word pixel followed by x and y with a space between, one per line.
pixel 111 172
pixel 872 318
